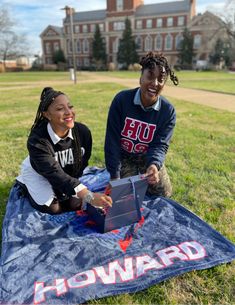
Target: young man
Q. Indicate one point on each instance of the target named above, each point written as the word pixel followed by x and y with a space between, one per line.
pixel 139 127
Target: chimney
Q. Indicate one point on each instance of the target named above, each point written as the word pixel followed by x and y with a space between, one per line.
pixel 69 10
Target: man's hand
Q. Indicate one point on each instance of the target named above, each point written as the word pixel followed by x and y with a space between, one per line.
pixel 152 174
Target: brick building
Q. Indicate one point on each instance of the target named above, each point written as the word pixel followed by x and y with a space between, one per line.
pixel 156 27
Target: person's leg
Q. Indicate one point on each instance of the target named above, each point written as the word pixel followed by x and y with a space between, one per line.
pixel 131 168
pixel 57 207
pixel 128 168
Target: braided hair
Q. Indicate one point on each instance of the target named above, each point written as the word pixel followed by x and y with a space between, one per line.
pixel 151 60
pixel 47 97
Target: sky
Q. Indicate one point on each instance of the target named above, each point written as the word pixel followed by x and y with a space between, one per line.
pixel 33 16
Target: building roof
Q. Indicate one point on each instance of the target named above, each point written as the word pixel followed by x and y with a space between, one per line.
pixel 57 29
pixel 88 16
pixel 163 8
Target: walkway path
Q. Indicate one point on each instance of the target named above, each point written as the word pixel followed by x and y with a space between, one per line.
pixel 211 99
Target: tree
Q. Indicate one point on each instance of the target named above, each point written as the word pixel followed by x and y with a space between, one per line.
pixel 98 49
pixel 127 53
pixel 12 44
pixel 186 53
pixel 58 56
pixel 221 53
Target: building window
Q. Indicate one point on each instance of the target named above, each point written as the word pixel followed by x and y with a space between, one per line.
pixel 92 27
pixel 197 41
pixel 158 42
pixel 86 61
pixel 138 42
pixel 85 46
pixel 48 48
pixel 148 43
pixel 119 26
pixel 169 21
pixel 49 61
pixel 69 46
pixel 159 22
pixel 84 28
pixel 78 62
pixel 178 40
pixel 78 46
pixel 119 4
pixel 101 25
pixel 139 24
pixel 56 46
pixel 149 23
pixel 180 20
pixel 76 29
pixel 168 42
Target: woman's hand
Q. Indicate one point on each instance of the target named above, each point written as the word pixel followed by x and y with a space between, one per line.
pixel 96 199
pixel 152 174
pixel 101 200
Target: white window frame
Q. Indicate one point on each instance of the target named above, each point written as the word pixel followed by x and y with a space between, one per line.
pixel 168 42
pixel 78 46
pixel 48 47
pixel 85 45
pixel 138 42
pixel 159 22
pixel 178 40
pixel 119 5
pixel 181 20
pixel 148 42
pixel 101 26
pixel 139 24
pixel 56 46
pixel 169 21
pixel 197 40
pixel 149 23
pixel 76 29
pixel 158 42
pixel 85 28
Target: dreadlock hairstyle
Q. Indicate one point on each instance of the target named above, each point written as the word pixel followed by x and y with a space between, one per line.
pixel 48 95
pixel 151 60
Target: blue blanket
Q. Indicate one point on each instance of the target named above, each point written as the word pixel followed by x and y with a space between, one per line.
pixel 62 259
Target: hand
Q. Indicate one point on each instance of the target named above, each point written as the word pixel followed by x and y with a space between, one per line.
pixel 152 174
pixel 101 200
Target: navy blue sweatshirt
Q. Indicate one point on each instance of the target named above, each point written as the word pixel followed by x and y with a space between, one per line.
pixel 55 161
pixel 132 130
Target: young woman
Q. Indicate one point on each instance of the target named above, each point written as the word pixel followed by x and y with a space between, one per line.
pixel 140 126
pixel 59 150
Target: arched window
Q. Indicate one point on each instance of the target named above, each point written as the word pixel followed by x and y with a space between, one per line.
pixel 178 40
pixel 85 46
pixel 78 46
pixel 158 42
pixel 69 46
pixel 148 43
pixel 197 41
pixel 168 42
pixel 138 42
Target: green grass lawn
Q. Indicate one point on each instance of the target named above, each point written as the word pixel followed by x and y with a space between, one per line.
pixel 206 80
pixel 200 162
